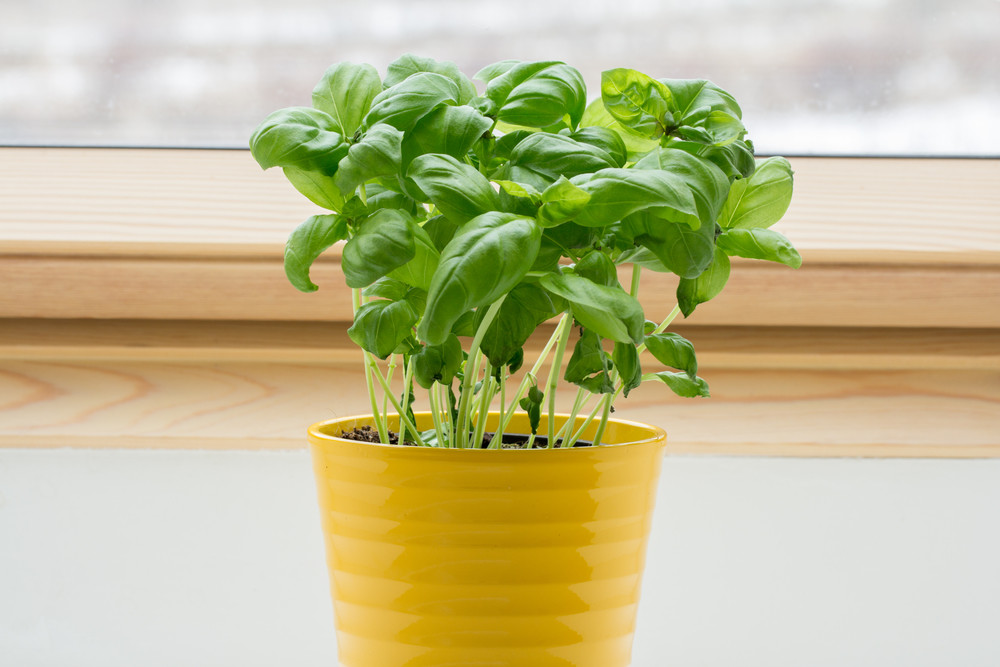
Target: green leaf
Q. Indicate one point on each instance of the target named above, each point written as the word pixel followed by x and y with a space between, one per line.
pixel 693 94
pixel 381 327
pixel 605 139
pixel 597 267
pixel 678 248
pixel 674 351
pixel 681 384
pixel 617 193
pixel 761 200
pixel 317 187
pixel 298 137
pixel 346 92
pixel 760 244
pixel 376 154
pixel 561 202
pixel 438 363
pixel 408 101
pixel 590 366
pixel 541 158
pixel 458 190
pixel 735 159
pixel 626 359
pixel 491 72
pixel 693 291
pixel 521 191
pixel 419 270
pixel 640 103
pixel 526 306
pixel 538 94
pixel 387 288
pixel 407 65
pixel 596 115
pixel 307 243
pixel 708 184
pixel 532 404
pixel 447 130
pixel 441 230
pixel 608 311
pixel 487 257
pixel 384 242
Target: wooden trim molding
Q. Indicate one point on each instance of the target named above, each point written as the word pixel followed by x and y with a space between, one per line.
pixel 143 304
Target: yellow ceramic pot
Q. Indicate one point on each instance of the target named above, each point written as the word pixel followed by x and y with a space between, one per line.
pixel 519 558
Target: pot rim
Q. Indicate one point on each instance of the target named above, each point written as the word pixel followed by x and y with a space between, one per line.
pixel 655 434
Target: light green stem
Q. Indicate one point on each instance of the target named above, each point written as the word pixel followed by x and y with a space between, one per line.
pixel 468 382
pixel 567 428
pixel 407 383
pixel 436 414
pixel 485 398
pixel 661 326
pixel 553 381
pixel 586 423
pixel 636 272
pixel 383 434
pixel 605 414
pixel 533 373
pixel 403 418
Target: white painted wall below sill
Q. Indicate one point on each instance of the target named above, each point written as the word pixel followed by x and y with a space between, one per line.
pixel 165 558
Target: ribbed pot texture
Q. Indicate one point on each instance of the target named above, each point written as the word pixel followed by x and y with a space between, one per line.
pixel 519 558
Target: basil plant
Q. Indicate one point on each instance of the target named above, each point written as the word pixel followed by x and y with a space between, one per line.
pixel 472 215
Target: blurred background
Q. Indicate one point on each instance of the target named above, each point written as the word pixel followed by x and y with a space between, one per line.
pixel 831 77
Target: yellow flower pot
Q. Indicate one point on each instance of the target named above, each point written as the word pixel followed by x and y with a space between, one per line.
pixel 520 558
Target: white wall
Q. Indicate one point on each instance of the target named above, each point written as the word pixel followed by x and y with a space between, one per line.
pixel 127 558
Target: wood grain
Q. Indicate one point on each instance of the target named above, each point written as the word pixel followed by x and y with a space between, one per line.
pixel 776 391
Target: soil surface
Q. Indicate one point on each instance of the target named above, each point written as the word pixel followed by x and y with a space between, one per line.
pixel 510 440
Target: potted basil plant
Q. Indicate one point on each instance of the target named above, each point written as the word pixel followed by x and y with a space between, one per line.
pixel 508 533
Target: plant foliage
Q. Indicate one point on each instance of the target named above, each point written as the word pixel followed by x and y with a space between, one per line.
pixel 472 216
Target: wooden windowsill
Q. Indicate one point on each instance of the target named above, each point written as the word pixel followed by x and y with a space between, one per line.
pixel 144 305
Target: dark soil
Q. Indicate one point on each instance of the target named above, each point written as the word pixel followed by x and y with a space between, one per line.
pixel 510 440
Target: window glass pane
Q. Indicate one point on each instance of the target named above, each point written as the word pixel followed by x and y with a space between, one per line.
pixel 814 77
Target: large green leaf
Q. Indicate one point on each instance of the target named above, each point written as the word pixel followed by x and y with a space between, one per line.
pixel 376 154
pixel 316 186
pixel 484 261
pixel 407 65
pixel 458 190
pixel 346 92
pixel 606 139
pixel 541 158
pixel 734 159
pixel 526 306
pixel 678 248
pixel 384 242
pixel 381 327
pixel 693 291
pixel 419 270
pixel 761 200
pixel 596 115
pixel 307 243
pixel 608 311
pixel 590 366
pixel 411 99
pixel 760 244
pixel 639 102
pixel 299 137
pixel 597 267
pixel 708 184
pixel 449 130
pixel 673 350
pixel 617 193
pixel 561 201
pixel 538 94
pixel 693 94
